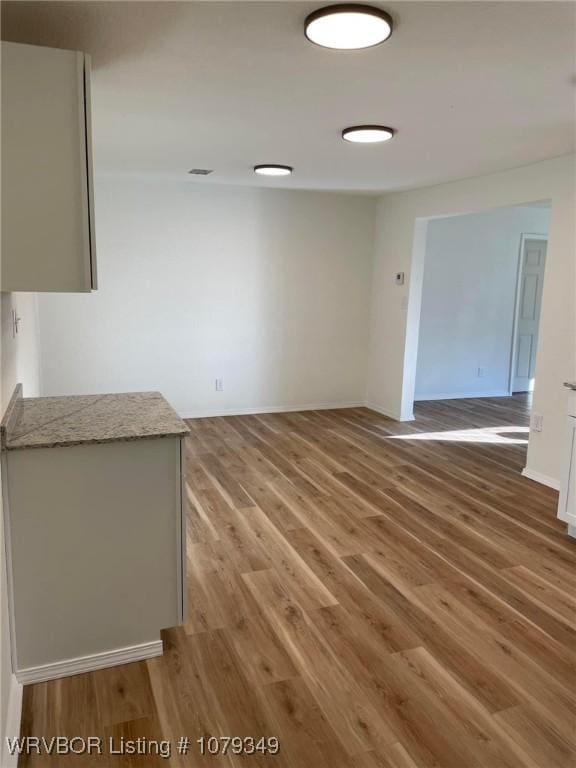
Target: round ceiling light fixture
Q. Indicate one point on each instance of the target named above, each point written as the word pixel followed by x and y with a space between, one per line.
pixel 270 169
pixel 348 26
pixel 368 134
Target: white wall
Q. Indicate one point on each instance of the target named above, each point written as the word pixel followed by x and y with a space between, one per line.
pixel 468 300
pixel 267 289
pixel 18 363
pixel 401 225
pixel 20 354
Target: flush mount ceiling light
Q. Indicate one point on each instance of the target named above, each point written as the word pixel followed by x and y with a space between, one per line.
pixel 348 26
pixel 367 134
pixel 269 169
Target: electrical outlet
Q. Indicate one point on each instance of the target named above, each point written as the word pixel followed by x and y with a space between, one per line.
pixel 481 373
pixel 219 385
pixel 537 422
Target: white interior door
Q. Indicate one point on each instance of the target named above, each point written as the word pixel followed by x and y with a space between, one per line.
pixel 529 301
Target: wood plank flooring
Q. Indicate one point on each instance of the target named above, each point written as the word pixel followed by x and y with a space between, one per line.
pixel 374 594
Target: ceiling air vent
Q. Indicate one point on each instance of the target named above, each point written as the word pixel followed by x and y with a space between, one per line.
pixel 200 171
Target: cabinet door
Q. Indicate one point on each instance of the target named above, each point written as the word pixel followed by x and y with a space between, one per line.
pixel 47 197
pixel 571 493
pixel 567 503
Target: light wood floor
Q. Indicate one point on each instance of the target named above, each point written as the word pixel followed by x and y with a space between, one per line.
pixel 373 595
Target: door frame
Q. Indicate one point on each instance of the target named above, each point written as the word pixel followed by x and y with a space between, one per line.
pixel 514 346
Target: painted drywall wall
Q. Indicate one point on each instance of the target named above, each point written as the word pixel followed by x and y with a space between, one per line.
pixel 267 290
pixel 401 223
pixel 18 363
pixel 20 353
pixel 468 300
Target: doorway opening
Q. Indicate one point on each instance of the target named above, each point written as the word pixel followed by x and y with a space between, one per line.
pixel 482 286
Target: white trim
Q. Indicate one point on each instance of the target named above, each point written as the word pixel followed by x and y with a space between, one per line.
pixel 538 477
pixel 389 414
pixel 270 409
pixel 463 395
pixel 90 663
pixel 13 720
pixel 523 237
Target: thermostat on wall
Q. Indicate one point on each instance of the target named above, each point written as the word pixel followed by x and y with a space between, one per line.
pixel 399 278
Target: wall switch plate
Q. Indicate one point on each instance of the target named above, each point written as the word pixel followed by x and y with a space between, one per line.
pixel 537 422
pixel 15 323
pixel 219 385
pixel 481 373
pixel 399 278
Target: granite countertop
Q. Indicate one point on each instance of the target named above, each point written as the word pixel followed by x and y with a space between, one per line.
pixel 49 422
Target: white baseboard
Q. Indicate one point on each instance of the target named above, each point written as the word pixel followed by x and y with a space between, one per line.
pixel 462 395
pixel 89 663
pixel 538 477
pixel 270 409
pixel 389 414
pixel 13 719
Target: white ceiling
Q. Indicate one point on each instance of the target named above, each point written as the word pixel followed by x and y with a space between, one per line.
pixel 472 87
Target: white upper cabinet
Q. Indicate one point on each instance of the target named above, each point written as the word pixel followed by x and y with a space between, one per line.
pixel 47 195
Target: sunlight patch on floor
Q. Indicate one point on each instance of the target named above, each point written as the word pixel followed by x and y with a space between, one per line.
pixel 495 435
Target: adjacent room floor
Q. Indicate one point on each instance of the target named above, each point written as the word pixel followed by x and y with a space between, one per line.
pixel 374 594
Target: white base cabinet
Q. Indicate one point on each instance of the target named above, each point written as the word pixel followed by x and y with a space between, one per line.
pixel 567 502
pixel 96 553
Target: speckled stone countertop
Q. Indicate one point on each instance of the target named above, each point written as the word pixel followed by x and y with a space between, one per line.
pixel 49 422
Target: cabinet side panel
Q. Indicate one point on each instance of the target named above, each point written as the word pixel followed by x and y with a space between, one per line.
pixel 44 192
pixel 567 500
pixel 181 480
pixel 87 88
pixel 95 559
